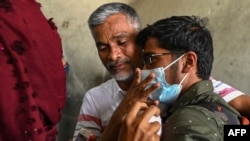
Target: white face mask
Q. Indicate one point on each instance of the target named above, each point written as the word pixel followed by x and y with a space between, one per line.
pixel 166 93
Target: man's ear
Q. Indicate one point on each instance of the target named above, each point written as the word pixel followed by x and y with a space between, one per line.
pixel 190 61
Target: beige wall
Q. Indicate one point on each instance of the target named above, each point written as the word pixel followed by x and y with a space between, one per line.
pixel 229 20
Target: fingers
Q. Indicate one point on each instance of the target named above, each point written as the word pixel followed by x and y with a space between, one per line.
pixel 137 78
pixel 155 138
pixel 144 85
pixel 141 111
pixel 155 127
pixel 144 122
pixel 151 111
pixel 151 89
pixel 136 109
pixel 148 86
pixel 138 91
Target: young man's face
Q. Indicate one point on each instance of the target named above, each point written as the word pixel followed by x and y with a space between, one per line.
pixel 115 41
pixel 161 57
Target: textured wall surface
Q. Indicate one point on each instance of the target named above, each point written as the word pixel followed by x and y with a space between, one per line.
pixel 228 22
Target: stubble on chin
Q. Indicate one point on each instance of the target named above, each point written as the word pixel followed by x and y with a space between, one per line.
pixel 123 76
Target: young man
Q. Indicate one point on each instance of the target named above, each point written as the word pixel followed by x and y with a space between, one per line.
pixel 179 51
pixel 114 27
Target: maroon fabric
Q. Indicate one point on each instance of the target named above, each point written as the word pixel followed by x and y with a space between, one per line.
pixel 32 77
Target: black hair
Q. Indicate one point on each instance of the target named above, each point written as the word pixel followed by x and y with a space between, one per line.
pixel 180 34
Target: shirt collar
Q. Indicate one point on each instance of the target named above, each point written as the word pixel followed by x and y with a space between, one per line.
pixel 116 89
pixel 194 94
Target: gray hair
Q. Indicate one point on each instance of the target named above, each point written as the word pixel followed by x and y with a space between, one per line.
pixel 104 11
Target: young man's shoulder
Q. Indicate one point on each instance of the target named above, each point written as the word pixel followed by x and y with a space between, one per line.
pixel 210 114
pixel 190 121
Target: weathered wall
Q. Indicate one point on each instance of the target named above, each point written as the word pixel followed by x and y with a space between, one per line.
pixel 229 20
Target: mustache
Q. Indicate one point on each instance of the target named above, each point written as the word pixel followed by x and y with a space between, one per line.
pixel 118 61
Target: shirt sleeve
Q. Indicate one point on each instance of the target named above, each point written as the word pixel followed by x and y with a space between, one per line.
pixel 88 117
pixel 226 91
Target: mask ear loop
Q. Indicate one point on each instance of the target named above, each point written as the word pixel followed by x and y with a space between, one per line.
pixel 173 62
pixel 183 78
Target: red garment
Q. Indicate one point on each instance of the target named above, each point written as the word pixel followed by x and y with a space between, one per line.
pixel 32 77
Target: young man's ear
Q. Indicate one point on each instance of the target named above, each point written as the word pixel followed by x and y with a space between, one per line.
pixel 190 61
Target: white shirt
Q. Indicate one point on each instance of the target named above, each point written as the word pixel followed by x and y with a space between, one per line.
pixel 224 90
pixel 98 106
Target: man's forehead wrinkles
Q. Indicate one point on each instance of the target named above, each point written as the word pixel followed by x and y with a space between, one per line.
pixel 120 35
pixel 114 37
